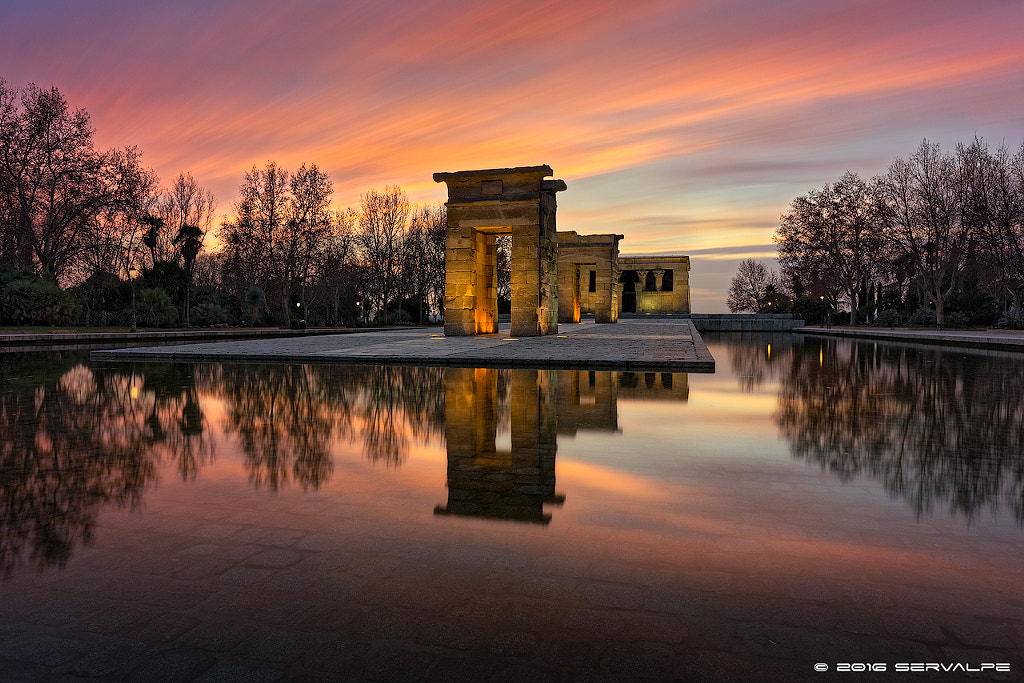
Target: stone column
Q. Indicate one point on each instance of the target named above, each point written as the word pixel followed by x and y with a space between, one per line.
pixel 575 280
pixel 659 273
pixel 641 291
pixel 535 269
pixel 606 300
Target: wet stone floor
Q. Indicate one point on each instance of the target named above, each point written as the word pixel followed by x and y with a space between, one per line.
pixel 812 503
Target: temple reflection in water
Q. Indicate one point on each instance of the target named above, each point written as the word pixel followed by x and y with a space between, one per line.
pixel 515 483
pixel 935 429
pixel 78 438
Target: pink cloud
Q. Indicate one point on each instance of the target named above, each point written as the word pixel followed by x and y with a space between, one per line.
pixel 680 102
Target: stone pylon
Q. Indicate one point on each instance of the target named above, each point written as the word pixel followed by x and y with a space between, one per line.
pixel 503 201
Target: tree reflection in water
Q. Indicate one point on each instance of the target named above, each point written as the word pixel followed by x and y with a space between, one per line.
pixel 937 427
pixel 74 438
pixel 286 417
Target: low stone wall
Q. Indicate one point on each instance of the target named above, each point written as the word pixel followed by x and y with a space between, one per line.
pixel 745 322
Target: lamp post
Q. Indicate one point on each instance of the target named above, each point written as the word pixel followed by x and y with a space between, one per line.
pixel 131 278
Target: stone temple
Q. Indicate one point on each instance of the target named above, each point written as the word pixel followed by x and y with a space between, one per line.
pixel 556 277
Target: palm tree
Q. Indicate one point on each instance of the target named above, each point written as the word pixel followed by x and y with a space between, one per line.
pixel 189 241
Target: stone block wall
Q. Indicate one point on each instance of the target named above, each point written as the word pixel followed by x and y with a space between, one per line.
pixel 677 300
pixel 746 322
pixel 508 201
pixel 578 256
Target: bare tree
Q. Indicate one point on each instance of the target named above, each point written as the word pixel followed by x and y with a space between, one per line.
pixel 831 238
pixel 338 277
pixel 248 240
pixel 503 264
pixel 305 233
pixel 382 226
pixel 995 200
pixel 58 189
pixel 432 222
pixel 924 201
pixel 749 286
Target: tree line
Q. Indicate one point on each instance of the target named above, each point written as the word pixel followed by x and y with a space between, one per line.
pixel 937 239
pixel 289 255
pixel 88 236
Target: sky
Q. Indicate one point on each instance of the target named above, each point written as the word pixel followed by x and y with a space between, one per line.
pixel 686 126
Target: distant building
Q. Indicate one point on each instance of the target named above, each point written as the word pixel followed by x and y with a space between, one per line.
pixel 646 284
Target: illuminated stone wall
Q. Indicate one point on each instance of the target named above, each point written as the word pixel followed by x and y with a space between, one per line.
pixel 654 284
pixel 505 201
pixel 578 257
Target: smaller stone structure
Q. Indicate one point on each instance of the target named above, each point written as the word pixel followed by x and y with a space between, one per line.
pixel 588 265
pixel 654 284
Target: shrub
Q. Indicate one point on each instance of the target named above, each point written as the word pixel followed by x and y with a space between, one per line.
pixel 31 300
pixel 978 307
pixel 1012 319
pixel 154 308
pixel 922 317
pixel 888 318
pixel 212 307
pixel 956 320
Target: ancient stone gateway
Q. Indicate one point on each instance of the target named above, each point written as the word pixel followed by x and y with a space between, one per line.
pixel 501 201
pixel 588 271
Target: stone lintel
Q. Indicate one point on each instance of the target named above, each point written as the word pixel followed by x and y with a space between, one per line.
pixel 651 262
pixel 499 185
pixel 443 177
pixel 489 200
pixel 497 226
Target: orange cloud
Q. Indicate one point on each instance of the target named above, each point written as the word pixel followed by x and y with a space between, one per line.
pixel 717 114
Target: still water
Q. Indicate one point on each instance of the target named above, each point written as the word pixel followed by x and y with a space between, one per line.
pixel 813 502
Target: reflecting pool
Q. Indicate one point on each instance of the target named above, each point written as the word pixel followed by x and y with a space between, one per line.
pixel 814 502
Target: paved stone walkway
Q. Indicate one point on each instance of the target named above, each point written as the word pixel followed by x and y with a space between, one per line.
pixel 657 345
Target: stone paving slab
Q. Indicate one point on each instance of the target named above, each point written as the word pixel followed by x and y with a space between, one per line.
pixel 658 345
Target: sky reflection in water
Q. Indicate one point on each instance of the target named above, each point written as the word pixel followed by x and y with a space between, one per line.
pixel 815 501
pixel 786 425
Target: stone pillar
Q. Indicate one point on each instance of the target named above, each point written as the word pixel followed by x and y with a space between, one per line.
pixel 575 285
pixel 471 300
pixel 641 290
pixel 606 300
pixel 659 273
pixel 535 270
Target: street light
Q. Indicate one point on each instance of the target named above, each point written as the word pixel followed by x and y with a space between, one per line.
pixel 131 278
